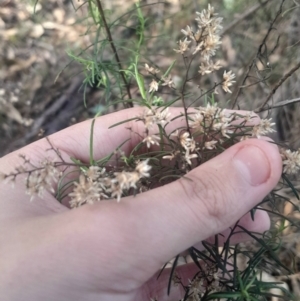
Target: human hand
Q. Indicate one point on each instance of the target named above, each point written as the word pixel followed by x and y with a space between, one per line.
pixel 110 250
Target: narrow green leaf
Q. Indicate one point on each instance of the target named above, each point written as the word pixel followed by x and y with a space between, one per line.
pixel 121 122
pixel 139 79
pixel 291 185
pixel 92 162
pixel 172 273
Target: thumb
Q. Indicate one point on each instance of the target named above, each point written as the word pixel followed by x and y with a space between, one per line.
pixel 170 219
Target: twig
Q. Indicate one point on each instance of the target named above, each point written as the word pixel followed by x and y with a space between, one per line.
pixel 278 105
pixel 182 95
pixel 246 14
pixel 55 149
pixel 114 49
pixel 280 82
pixel 259 51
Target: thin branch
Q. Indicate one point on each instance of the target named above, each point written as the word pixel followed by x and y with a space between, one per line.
pixel 182 94
pixel 114 49
pixel 55 149
pixel 280 82
pixel 278 105
pixel 243 16
pixel 259 51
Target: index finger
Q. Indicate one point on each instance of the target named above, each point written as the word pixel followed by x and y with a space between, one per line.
pixel 75 140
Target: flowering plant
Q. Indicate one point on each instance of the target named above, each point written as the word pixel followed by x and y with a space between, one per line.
pixel 173 143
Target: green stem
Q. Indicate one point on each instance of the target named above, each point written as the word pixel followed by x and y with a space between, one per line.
pixel 114 49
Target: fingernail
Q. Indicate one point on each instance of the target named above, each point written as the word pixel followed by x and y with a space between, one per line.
pixel 252 164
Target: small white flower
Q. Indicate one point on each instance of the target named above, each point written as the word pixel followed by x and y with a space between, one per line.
pixel 151 70
pixel 188 32
pixel 197 122
pixel 198 48
pixel 167 81
pixel 153 86
pixel 143 169
pixel 169 157
pixel 162 117
pixel 209 111
pixel 228 81
pixel 208 67
pixel 189 156
pixel 183 46
pixel 290 161
pixel 263 128
pixel 210 144
pixel 224 128
pixel 151 139
pixel 94 172
pixel 154 116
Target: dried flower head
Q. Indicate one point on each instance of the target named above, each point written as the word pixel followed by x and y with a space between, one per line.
pixel 188 156
pixel 210 144
pixel 183 46
pixel 210 45
pixel 224 128
pixel 153 86
pixel 188 32
pixel 167 81
pixel 155 116
pixel 197 121
pixel 86 191
pixel 143 169
pixel 42 178
pixel 228 81
pixel 206 38
pixel 124 180
pixel 94 172
pixel 209 111
pixel 208 67
pixel 151 139
pixel 264 127
pixel 290 161
pixel 187 142
pixel 151 70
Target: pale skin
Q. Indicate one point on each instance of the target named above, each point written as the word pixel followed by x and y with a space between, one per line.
pixel 113 251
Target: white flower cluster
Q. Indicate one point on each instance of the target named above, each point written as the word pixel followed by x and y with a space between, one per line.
pixel 211 120
pixel 264 127
pixel 90 187
pixel 164 81
pixel 41 179
pixel 150 118
pixel 206 40
pixel 189 145
pixel 212 124
pixel 204 284
pixel 290 161
pixel 96 184
pixel 155 116
pixel 207 36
